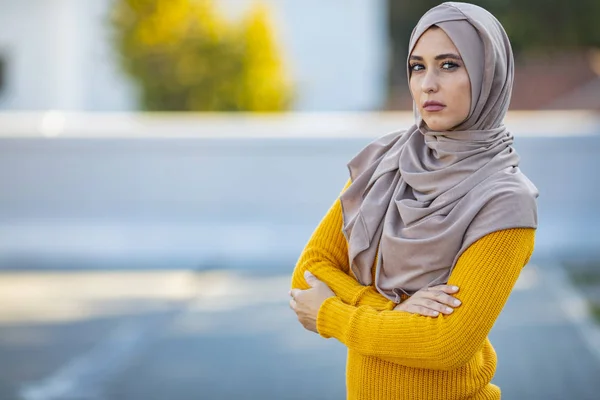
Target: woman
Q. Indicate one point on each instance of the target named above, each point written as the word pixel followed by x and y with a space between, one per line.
pixel 413 263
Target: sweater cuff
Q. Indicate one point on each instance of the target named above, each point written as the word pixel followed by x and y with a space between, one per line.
pixel 369 296
pixel 333 317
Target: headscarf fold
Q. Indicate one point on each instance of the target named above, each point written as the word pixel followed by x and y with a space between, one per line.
pixel 419 198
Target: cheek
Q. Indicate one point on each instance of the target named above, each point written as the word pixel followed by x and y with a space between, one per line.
pixel 463 95
pixel 414 89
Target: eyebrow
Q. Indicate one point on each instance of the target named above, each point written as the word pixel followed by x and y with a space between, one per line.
pixel 439 57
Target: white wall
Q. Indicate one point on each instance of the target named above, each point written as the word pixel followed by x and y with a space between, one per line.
pixel 105 87
pixel 58 57
pixel 178 199
pixel 339 53
pixel 26 34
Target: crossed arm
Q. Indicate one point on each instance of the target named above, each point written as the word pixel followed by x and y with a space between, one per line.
pixel 326 257
pixel 365 321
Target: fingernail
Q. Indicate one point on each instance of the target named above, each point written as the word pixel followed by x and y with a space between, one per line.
pixel 435 313
pixel 454 287
pixel 456 302
pixel 449 310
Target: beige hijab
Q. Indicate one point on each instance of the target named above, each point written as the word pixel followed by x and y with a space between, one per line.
pixel 420 198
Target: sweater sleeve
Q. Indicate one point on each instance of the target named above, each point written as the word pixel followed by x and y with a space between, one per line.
pixel 326 257
pixel 485 274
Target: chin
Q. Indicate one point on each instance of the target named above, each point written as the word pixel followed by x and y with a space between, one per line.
pixel 438 125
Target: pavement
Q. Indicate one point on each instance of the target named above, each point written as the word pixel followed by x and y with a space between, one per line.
pixel 229 334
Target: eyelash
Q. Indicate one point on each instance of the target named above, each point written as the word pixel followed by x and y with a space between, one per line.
pixel 452 66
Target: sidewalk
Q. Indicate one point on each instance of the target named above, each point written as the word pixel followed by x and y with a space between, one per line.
pixel 548 346
pixel 238 339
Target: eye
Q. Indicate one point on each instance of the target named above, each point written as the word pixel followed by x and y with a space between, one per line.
pixel 417 67
pixel 449 65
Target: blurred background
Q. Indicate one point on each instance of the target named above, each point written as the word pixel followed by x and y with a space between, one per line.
pixel 163 163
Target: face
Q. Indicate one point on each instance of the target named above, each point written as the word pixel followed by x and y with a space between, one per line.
pixel 439 82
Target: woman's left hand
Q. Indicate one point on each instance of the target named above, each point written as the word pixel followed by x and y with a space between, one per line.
pixel 306 303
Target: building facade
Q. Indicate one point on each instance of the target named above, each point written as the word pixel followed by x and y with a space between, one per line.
pixel 57 54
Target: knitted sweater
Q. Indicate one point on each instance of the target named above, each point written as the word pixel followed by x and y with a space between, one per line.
pixel 399 355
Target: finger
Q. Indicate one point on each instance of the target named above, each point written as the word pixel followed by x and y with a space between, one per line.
pixel 422 310
pixel 293 304
pixel 441 297
pixel 310 278
pixel 432 306
pixel 436 306
pixel 445 288
pixel 295 292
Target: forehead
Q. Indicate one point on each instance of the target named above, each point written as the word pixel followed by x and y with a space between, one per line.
pixel 432 42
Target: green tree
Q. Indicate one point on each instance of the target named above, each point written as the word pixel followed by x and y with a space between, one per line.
pixel 184 56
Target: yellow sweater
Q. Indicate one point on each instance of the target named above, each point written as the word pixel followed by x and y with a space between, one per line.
pixel 398 355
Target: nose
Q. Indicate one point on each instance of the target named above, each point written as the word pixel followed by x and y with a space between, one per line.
pixel 430 83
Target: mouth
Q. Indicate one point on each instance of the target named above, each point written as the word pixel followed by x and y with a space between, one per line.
pixel 433 106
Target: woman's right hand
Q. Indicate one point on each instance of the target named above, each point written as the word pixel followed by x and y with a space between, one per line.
pixel 432 301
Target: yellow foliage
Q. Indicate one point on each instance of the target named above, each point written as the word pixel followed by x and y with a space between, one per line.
pixel 265 77
pixel 185 56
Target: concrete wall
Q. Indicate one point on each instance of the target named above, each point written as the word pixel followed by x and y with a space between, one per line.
pixel 197 200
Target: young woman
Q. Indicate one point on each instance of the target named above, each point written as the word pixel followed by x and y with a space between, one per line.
pixel 413 263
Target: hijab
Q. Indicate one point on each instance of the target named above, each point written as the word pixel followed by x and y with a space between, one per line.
pixel 419 198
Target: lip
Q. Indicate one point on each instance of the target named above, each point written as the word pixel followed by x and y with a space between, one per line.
pixel 432 106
